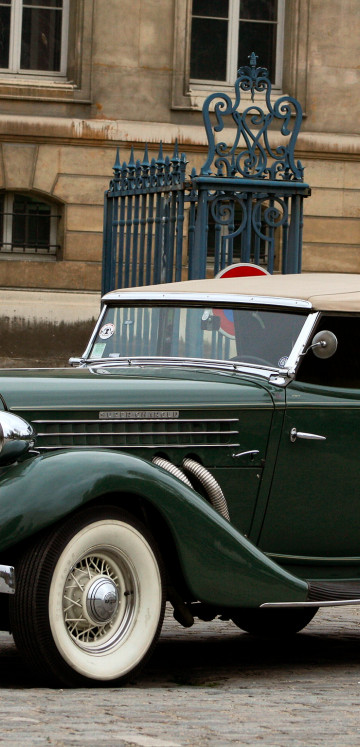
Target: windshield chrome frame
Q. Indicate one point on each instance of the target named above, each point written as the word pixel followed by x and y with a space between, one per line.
pixel 301 343
pixel 94 333
pixel 280 376
pixel 146 361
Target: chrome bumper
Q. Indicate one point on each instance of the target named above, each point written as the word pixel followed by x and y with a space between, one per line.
pixel 7 579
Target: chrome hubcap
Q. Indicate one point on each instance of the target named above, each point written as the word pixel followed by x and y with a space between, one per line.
pixel 102 600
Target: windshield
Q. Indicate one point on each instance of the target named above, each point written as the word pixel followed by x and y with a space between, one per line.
pixel 230 334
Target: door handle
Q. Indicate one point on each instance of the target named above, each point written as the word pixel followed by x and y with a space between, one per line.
pixel 294 434
pixel 251 454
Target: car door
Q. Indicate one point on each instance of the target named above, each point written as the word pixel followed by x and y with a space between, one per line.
pixel 313 507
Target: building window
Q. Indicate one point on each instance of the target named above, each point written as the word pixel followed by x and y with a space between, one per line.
pixel 33 36
pixel 28 227
pixel 225 32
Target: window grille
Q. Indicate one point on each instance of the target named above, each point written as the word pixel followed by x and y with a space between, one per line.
pixel 28 227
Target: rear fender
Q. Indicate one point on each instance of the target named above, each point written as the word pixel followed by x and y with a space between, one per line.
pixel 219 564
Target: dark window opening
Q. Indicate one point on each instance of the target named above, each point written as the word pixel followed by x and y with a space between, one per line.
pixel 343 369
pixel 41 36
pixel 27 226
pixel 33 36
pixel 224 33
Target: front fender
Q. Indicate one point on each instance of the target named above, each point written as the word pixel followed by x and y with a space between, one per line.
pixel 220 566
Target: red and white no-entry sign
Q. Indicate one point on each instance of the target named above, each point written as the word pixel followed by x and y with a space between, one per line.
pixel 241 270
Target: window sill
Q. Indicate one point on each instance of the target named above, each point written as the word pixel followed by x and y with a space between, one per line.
pixel 40 89
pixel 194 99
pixel 200 92
pixel 17 257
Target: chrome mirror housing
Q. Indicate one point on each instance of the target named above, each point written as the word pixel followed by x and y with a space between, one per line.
pixel 324 344
pixel 16 437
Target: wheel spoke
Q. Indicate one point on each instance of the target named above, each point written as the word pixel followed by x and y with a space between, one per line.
pixel 81 586
pixel 73 601
pixel 87 566
pixel 83 578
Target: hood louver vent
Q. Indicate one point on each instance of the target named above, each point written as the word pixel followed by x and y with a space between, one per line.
pixel 136 434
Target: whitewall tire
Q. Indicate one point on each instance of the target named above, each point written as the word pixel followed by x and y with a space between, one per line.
pixel 98 597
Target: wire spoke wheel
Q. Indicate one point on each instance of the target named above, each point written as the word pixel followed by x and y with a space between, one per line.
pixel 99 599
pixel 94 608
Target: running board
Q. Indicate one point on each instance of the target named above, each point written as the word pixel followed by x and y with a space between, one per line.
pixel 326 594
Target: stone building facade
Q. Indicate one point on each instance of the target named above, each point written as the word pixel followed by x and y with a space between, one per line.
pixel 113 73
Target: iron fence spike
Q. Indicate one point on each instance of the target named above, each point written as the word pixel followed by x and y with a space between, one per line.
pixel 117 165
pixel 131 163
pixel 146 156
pixel 160 158
pixel 176 150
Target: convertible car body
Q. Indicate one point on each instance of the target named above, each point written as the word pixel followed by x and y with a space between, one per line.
pixel 204 450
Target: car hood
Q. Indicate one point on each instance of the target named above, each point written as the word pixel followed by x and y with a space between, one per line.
pixel 68 388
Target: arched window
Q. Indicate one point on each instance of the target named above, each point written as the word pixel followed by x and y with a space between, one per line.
pixel 28 226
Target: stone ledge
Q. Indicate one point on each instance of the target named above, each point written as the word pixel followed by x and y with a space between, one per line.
pixel 95 131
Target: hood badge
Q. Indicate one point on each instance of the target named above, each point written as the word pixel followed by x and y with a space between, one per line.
pixel 138 414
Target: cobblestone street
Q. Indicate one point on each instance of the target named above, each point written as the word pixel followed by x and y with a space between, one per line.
pixel 209 685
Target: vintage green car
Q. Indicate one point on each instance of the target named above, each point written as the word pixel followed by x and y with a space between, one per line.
pixel 204 451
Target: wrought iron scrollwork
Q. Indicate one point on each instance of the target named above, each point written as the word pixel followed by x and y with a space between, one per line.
pixel 266 214
pixel 223 213
pixel 251 154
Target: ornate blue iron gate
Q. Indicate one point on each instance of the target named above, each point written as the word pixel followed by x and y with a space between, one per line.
pixel 245 205
pixel 143 221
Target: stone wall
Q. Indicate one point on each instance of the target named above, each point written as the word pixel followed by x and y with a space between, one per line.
pixel 58 140
pixel 44 329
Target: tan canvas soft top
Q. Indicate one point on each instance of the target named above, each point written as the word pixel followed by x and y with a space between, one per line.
pixel 325 291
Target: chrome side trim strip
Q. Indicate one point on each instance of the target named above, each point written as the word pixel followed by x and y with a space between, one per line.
pixel 127 434
pixel 337 603
pixel 313 559
pixel 123 447
pixel 141 420
pixel 7 579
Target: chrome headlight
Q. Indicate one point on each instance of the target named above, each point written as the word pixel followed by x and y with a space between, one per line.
pixel 16 437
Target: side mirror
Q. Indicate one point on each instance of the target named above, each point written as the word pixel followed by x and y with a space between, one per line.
pixel 16 437
pixel 324 344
